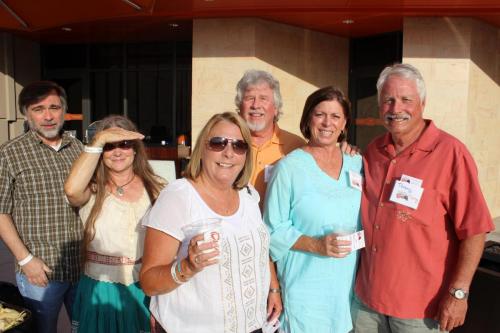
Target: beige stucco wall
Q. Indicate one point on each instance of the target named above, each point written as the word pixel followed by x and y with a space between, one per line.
pixel 460 60
pixel 302 60
pixel 19 65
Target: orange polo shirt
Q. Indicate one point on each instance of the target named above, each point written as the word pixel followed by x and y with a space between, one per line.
pixel 266 155
pixel 410 254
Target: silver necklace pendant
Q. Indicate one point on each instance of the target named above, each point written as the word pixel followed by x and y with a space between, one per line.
pixel 120 191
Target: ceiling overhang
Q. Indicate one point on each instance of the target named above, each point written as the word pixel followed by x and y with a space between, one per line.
pixel 118 20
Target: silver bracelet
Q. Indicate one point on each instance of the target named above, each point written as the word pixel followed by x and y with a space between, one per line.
pixel 173 272
pixel 25 260
pixel 92 149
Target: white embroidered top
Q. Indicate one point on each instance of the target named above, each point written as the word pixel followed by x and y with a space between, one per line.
pixel 227 297
pixel 118 233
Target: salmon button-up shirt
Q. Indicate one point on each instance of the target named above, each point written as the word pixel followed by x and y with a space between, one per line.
pixel 410 254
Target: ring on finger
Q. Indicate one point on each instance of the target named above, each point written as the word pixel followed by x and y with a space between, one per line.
pixel 197 259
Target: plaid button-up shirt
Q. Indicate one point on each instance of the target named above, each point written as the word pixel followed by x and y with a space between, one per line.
pixel 32 176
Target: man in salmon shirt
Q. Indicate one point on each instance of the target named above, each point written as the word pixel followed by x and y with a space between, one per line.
pixel 424 217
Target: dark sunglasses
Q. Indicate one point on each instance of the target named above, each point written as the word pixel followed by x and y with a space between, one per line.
pixel 121 144
pixel 218 143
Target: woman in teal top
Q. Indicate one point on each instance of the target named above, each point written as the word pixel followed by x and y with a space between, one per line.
pixel 308 197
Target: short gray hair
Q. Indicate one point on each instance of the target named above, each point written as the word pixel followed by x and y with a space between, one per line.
pixel 406 71
pixel 254 77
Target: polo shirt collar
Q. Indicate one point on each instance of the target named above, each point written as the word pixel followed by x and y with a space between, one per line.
pixel 276 134
pixel 426 141
pixel 275 139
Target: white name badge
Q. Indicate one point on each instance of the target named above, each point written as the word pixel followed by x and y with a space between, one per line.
pixel 355 180
pixel 268 172
pixel 411 180
pixel 406 194
pixel 357 240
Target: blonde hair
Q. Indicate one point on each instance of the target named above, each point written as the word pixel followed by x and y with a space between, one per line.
pixel 194 167
pixel 100 179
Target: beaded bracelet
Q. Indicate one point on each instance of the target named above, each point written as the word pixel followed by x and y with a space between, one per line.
pixel 92 149
pixel 173 272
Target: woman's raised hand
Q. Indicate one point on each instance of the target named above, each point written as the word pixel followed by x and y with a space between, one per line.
pixel 115 134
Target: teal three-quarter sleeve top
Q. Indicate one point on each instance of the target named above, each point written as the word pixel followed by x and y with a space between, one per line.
pixel 301 200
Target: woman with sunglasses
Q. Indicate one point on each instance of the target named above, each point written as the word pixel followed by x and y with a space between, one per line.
pixel 309 202
pixel 220 285
pixel 113 184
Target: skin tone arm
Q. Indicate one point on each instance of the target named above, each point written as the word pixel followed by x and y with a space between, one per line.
pixel 451 312
pixel 160 250
pixel 36 269
pixel 327 246
pixel 274 304
pixel 76 185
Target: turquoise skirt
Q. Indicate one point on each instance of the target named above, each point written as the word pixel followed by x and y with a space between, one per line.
pixel 106 307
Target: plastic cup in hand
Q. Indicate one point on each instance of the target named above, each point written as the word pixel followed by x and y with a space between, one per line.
pixel 210 228
pixel 340 231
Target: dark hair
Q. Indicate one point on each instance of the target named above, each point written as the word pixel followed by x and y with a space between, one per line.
pixel 324 94
pixel 37 91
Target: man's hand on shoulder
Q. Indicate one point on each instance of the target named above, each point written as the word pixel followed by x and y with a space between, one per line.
pixel 36 272
pixel 451 312
pixel 346 148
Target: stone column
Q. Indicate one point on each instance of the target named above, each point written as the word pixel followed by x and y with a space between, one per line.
pixel 302 60
pixel 460 61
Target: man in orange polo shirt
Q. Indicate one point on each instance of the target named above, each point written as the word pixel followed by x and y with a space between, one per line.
pixel 258 99
pixel 424 217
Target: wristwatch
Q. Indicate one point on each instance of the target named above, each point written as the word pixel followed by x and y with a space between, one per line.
pixel 459 293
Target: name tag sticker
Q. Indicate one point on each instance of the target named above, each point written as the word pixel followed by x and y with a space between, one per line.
pixel 357 240
pixel 406 194
pixel 268 172
pixel 411 180
pixel 355 180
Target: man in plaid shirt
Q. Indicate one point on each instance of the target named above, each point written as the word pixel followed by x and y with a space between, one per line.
pixel 37 224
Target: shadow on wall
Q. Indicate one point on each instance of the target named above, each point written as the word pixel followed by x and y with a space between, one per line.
pixel 454 38
pixel 314 57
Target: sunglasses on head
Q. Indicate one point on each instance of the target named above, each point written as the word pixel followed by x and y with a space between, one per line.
pixel 121 144
pixel 218 143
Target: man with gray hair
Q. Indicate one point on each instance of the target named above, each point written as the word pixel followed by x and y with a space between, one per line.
pixel 37 224
pixel 423 214
pixel 258 99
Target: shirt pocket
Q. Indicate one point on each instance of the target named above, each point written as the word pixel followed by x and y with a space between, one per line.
pixel 428 209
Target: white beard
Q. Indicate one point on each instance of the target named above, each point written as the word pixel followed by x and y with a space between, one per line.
pixel 256 127
pixel 47 134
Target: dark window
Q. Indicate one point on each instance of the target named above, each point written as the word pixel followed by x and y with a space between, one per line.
pixel 148 82
pixel 368 57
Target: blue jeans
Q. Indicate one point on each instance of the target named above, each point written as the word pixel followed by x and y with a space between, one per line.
pixel 45 302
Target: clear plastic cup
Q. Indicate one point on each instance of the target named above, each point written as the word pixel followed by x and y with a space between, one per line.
pixel 210 228
pixel 338 229
pixel 341 232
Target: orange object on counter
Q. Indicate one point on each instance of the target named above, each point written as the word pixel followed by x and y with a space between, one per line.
pixel 181 140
